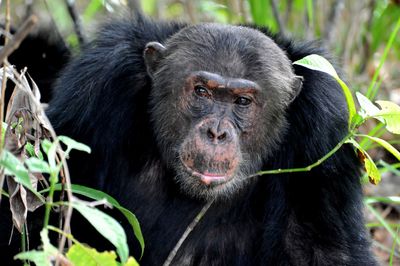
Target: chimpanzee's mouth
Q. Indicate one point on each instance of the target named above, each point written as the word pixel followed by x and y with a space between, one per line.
pixel 209 178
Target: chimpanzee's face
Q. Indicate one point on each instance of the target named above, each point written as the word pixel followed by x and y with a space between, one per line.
pixel 218 105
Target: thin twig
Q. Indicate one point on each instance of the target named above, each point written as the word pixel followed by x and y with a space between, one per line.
pixel 19 36
pixel 309 167
pixel 4 78
pixel 188 230
pixel 277 16
pixel 76 20
pixel 3 89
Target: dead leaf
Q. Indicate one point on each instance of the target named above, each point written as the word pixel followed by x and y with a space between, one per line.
pixel 18 204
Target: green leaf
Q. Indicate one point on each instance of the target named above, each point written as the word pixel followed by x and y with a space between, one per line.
pixel 36 165
pixel 319 63
pixel 40 258
pixel 51 156
pixel 384 144
pixel 357 120
pixel 3 133
pixel 46 144
pixel 390 112
pixel 368 108
pixel 372 171
pixel 30 149
pixel 100 195
pixel 81 255
pixel 131 262
pixel 133 221
pixel 14 167
pixel 369 165
pixel 47 246
pixel 106 226
pixel 73 144
pixel 87 192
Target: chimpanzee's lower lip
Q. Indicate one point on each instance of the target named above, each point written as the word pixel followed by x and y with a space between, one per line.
pixel 211 178
pixel 208 178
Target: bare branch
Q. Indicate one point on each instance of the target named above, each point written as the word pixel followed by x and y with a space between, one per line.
pixel 3 89
pixel 188 230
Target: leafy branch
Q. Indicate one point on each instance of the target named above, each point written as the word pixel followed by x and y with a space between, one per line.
pixel 389 114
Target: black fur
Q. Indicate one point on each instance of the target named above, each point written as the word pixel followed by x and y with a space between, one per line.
pixel 44 54
pixel 311 218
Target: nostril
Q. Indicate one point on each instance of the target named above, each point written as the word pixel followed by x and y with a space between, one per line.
pixel 222 136
pixel 210 134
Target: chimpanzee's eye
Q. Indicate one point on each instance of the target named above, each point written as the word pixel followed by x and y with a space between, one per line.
pixel 242 101
pixel 201 91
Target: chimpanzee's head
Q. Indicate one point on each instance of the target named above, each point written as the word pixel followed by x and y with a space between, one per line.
pixel 219 99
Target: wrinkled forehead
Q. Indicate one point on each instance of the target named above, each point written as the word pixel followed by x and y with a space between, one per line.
pixel 232 51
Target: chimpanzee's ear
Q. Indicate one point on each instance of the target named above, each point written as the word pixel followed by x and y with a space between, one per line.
pixel 153 53
pixel 297 85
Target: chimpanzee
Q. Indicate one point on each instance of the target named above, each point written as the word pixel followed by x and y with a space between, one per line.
pixel 179 115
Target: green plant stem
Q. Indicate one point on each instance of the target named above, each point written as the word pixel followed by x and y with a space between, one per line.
pixel 390 167
pixel 372 132
pixel 23 238
pixel 376 88
pixel 311 166
pixel 388 200
pixel 3 193
pixel 371 225
pixel 396 165
pixel 393 247
pixel 371 92
pixel 383 222
pixel 61 232
pixel 49 202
